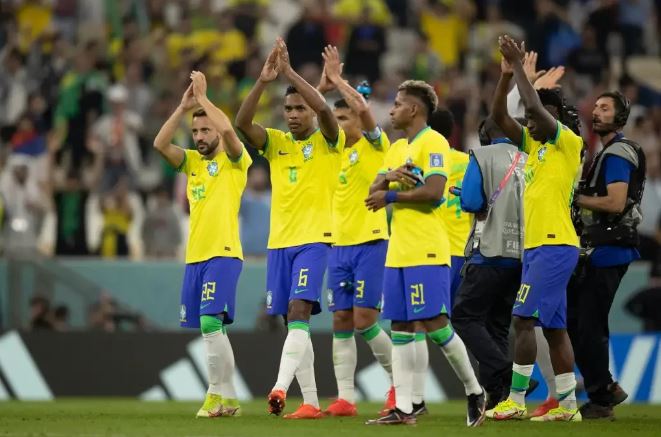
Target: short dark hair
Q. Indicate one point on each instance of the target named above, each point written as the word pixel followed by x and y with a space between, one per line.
pixel 339 104
pixel 291 90
pixel 551 97
pixel 423 91
pixel 489 131
pixel 199 113
pixel 442 121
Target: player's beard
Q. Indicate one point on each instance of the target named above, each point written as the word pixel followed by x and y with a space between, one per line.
pixel 208 149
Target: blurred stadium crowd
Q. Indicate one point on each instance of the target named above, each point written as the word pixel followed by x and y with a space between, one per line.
pixel 85 86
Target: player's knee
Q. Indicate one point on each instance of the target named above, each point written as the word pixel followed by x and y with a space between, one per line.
pixel 364 318
pixel 299 310
pixel 210 324
pixel 343 321
pixel 523 324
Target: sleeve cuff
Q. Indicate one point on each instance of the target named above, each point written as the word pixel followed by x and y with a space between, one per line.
pixel 183 163
pixel 238 158
pixel 436 172
pixel 557 133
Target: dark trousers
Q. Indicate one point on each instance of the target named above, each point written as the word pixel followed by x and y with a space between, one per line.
pixel 482 314
pixel 590 295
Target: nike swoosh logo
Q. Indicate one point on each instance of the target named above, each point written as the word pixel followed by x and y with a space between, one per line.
pixel 193 174
pixel 300 291
pixel 417 310
pixel 280 152
pixel 516 306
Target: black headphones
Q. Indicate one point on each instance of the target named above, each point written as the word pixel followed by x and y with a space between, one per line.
pixel 485 139
pixel 622 116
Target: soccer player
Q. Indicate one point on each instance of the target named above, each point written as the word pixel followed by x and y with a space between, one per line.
pixel 304 164
pixel 357 258
pixel 417 276
pixel 217 174
pixel 550 241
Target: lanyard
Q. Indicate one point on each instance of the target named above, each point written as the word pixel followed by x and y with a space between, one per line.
pixel 505 179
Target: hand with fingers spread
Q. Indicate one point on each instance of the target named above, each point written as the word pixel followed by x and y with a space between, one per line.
pixel 188 101
pixel 510 50
pixel 530 66
pixel 270 70
pixel 550 79
pixel 199 84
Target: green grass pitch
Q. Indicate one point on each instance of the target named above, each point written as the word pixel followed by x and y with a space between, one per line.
pixel 120 417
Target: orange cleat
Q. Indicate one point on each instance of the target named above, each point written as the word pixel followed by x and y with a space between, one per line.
pixel 548 405
pixel 277 401
pixel 305 411
pixel 341 407
pixel 390 402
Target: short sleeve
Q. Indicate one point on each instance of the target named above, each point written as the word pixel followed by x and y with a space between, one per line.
pixel 566 139
pixel 435 157
pixel 472 193
pixel 617 169
pixel 244 161
pixel 274 139
pixel 389 161
pixel 339 143
pixel 184 167
pixel 525 140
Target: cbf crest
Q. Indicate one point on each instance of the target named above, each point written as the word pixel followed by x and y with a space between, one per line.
pixel 353 158
pixel 182 313
pixel 541 154
pixel 307 152
pixel 212 168
pixel 269 299
pixel 329 298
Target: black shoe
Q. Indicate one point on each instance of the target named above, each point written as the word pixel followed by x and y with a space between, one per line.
pixel 476 409
pixel 532 386
pixel 591 411
pixel 618 395
pixel 420 409
pixel 394 417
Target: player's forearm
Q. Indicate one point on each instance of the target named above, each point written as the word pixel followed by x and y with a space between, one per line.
pixel 248 109
pixel 499 103
pixel 607 203
pixel 168 130
pixel 380 184
pixel 529 97
pixel 309 93
pixel 426 194
pixel 357 104
pixel 222 123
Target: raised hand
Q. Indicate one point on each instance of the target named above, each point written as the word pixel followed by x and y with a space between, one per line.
pixel 550 79
pixel 510 50
pixel 283 55
pixel 188 101
pixel 530 66
pixel 332 64
pixel 199 84
pixel 270 69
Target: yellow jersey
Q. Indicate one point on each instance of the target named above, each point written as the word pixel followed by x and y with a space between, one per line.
pixel 303 177
pixel 550 173
pixel 214 192
pixel 417 233
pixel 457 222
pixel 353 223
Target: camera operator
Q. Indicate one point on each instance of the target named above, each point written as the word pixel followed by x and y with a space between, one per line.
pixel 609 203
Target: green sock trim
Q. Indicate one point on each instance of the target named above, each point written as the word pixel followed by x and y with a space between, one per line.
pixel 303 326
pixel 210 324
pixel 420 336
pixel 442 336
pixel 342 334
pixel 400 339
pixel 520 382
pixel 371 332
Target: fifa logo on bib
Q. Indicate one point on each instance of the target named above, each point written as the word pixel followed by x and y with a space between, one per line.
pixel 307 152
pixel 212 168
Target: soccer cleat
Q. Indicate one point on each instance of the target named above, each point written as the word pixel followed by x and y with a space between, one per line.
pixel 545 407
pixel 212 407
pixel 305 411
pixel 617 393
pixel 476 411
pixel 494 398
pixel 508 409
pixel 394 417
pixel 560 414
pixel 389 405
pixel 276 401
pixel 341 408
pixel 591 411
pixel 420 409
pixel 231 407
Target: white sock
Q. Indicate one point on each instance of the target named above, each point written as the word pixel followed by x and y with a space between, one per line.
pixel 457 355
pixel 305 377
pixel 293 352
pixel 544 361
pixel 227 380
pixel 403 363
pixel 566 384
pixel 213 344
pixel 420 369
pixel 520 379
pixel 381 346
pixel 345 358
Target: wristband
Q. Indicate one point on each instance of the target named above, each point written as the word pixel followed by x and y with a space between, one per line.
pixel 391 197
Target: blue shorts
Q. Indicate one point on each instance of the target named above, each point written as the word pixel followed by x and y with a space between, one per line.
pixel 416 293
pixel 355 275
pixel 295 273
pixel 209 288
pixel 455 275
pixel 543 292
